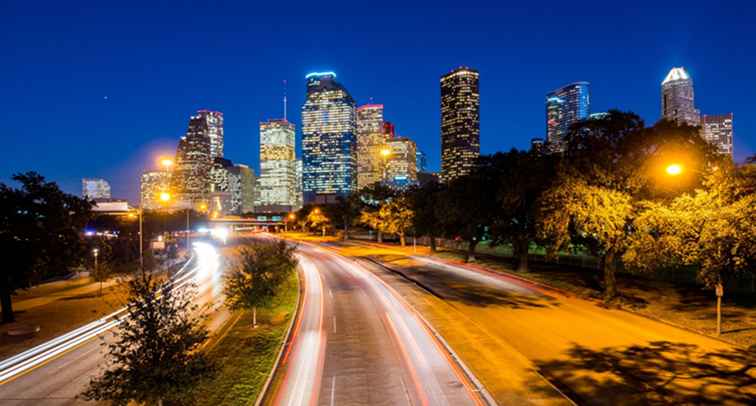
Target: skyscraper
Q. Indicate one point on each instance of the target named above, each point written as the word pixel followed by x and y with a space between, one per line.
pixel 460 122
pixel 246 192
pixel 329 148
pixel 95 188
pixel 371 139
pixel 677 96
pixel 401 166
pixel 564 107
pixel 277 184
pixel 196 151
pixel 420 160
pixel 152 184
pixel 717 129
pixel 223 180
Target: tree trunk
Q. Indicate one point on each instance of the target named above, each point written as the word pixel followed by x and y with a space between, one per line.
pixel 346 231
pixel 160 402
pixel 380 236
pixel 254 317
pixel 610 280
pixel 7 302
pixel 433 247
pixel 470 256
pixel 401 239
pixel 522 255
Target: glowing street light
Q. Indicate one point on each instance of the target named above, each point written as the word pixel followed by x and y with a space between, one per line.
pixel 166 163
pixel 674 169
pixel 165 196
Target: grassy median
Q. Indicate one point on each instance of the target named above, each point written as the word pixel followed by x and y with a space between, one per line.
pixel 245 355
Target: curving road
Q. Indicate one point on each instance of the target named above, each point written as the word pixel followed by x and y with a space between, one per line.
pixel 55 372
pixel 357 343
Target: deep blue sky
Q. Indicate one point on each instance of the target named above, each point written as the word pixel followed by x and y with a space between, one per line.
pixel 99 91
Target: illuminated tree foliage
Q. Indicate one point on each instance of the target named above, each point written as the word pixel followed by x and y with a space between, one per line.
pixel 395 217
pixel 261 269
pixel 713 228
pixel 156 355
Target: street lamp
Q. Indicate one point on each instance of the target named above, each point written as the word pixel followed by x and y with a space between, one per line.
pixel 385 152
pixel 96 252
pixel 166 163
pixel 674 169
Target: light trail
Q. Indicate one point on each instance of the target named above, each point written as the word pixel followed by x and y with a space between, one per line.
pixel 308 341
pixel 207 265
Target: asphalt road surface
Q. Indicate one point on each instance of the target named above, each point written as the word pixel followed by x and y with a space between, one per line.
pixel 358 343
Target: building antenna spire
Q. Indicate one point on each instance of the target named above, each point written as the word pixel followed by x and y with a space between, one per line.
pixel 284 99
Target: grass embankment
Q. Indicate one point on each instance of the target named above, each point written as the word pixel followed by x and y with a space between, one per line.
pixel 245 355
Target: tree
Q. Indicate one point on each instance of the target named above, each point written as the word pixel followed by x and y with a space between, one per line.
pixel 712 228
pixel 424 201
pixel 317 219
pixel 610 165
pixel 373 219
pixel 523 178
pixel 155 356
pixel 396 217
pixel 344 212
pixel 597 213
pixel 466 207
pixel 40 234
pixel 258 274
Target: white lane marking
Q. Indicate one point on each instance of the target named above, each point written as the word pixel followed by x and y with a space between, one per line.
pixel 334 324
pixel 333 390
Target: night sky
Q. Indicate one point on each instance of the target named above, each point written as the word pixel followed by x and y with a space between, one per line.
pixel 100 91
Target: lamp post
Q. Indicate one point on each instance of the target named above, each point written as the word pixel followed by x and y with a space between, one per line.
pixel 96 252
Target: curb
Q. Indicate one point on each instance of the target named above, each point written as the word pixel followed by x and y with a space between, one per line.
pixel 276 364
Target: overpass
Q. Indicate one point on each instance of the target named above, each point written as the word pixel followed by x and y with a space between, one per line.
pixel 269 221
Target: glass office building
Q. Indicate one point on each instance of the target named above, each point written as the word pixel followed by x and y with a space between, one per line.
pixel 277 185
pixel 460 122
pixel 329 148
pixel 564 107
pixel 677 98
pixel 717 129
pixel 371 140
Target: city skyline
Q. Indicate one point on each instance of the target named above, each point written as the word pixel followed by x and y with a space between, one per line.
pixel 512 85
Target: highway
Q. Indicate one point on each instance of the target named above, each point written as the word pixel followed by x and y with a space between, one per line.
pixel 357 343
pixel 55 372
pixel 593 354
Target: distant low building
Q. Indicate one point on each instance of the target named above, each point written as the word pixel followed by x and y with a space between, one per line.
pixel 112 206
pixel 95 188
pixel 537 145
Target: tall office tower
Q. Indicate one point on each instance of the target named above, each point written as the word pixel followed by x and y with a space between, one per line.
pixel 225 188
pixel 401 166
pixel 152 184
pixel 278 176
pixel 95 188
pixel 196 151
pixel 420 160
pixel 460 122
pixel 717 129
pixel 300 197
pixel 677 102
pixel 329 148
pixel 371 140
pixel 564 107
pixel 244 197
pixel 211 123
